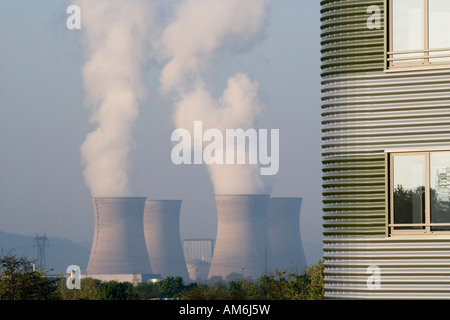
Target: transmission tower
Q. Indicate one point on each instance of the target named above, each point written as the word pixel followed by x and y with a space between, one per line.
pixel 40 242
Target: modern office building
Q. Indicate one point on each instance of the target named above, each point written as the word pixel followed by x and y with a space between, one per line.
pixel 386 148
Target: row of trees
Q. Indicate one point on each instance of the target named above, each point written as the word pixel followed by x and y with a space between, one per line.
pixel 279 285
pixel 18 281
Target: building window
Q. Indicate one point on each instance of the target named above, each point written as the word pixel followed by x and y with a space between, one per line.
pixel 419 33
pixel 419 193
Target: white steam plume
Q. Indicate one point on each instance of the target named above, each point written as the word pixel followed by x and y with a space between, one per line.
pixel 200 29
pixel 238 107
pixel 203 26
pixel 115 39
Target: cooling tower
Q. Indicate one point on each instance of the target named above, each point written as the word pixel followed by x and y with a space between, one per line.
pixel 162 235
pixel 284 233
pixel 198 269
pixel 119 244
pixel 198 256
pixel 242 241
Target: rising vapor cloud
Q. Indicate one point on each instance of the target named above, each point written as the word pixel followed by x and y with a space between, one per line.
pixel 200 29
pixel 119 40
pixel 115 42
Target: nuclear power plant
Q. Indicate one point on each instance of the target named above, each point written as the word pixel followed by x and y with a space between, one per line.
pixel 283 219
pixel 242 241
pixel 162 236
pixel 132 237
pixel 118 246
pixel 138 240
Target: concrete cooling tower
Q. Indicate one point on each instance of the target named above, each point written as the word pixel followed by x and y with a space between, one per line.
pixel 119 243
pixel 162 236
pixel 242 241
pixel 284 233
pixel 198 255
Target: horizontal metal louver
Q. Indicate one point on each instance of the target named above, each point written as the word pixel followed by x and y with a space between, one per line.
pixel 366 111
pixel 348 45
pixel 409 268
pixel 373 112
pixel 354 196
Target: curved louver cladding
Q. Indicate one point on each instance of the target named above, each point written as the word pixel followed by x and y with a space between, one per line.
pixel 409 268
pixel 366 113
pixel 348 45
pixel 373 112
pixel 354 196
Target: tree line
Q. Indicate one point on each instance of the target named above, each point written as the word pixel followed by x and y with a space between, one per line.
pixel 18 281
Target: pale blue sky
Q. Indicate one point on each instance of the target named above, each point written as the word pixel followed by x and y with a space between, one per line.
pixel 43 123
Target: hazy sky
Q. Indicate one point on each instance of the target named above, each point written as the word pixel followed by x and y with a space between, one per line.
pixel 43 123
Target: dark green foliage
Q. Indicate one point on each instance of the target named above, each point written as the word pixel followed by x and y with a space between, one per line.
pixel 148 291
pixel 113 290
pixel 170 287
pixel 315 282
pixel 89 290
pixel 18 281
pixel 276 286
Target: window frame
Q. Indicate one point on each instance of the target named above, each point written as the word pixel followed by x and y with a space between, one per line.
pixel 420 61
pixel 427 224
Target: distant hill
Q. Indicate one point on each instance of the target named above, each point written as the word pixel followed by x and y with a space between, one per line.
pixel 59 254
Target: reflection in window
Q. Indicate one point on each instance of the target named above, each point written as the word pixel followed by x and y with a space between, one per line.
pixel 409 190
pixel 419 32
pixel 420 192
pixel 408 25
pixel 439 33
pixel 440 189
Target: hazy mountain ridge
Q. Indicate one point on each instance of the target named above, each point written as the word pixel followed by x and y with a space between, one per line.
pixel 59 254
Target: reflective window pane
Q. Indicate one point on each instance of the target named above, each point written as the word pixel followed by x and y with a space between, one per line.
pixel 408 18
pixel 409 190
pixel 440 189
pixel 439 34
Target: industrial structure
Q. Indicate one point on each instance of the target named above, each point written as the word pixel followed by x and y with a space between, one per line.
pixel 118 246
pixel 283 219
pixel 198 255
pixel 40 242
pixel 386 148
pixel 242 242
pixel 162 237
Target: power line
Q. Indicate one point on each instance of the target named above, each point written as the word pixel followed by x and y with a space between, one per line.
pixel 41 242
